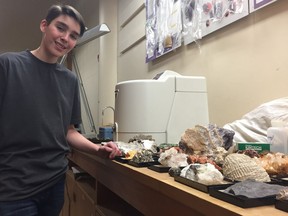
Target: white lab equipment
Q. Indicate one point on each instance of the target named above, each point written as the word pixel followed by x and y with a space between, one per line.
pixel 163 107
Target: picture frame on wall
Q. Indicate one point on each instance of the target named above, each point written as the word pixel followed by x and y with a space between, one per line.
pixel 257 4
pixel 221 14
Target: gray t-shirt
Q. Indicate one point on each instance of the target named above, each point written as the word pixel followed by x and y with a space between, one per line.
pixel 38 101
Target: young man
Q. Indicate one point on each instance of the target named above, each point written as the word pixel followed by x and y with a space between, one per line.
pixel 39 104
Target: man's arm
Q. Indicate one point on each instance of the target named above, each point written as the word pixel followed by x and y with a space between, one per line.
pixel 78 141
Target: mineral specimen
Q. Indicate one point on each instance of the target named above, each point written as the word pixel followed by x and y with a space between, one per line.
pixel 241 167
pixel 274 163
pixel 173 158
pixel 205 139
pixel 283 194
pixel 253 189
pixel 203 173
pixel 143 156
pixel 174 171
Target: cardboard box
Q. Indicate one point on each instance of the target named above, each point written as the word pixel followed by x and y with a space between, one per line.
pixel 257 146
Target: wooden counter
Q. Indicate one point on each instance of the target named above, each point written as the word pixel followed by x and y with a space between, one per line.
pixel 153 193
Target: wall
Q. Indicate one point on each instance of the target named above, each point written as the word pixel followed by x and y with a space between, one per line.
pixel 245 63
pixel 108 60
pixel 97 62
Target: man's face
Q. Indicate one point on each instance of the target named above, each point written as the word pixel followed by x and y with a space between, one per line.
pixel 60 36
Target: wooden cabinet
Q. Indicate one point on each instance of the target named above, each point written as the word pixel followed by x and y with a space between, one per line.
pixel 79 198
pixel 85 196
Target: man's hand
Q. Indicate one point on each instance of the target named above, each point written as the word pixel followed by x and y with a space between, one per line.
pixel 108 150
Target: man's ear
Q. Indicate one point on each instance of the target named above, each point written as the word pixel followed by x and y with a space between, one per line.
pixel 43 25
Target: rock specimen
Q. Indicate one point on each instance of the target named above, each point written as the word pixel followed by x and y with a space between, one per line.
pixel 203 173
pixel 240 167
pixel 205 139
pixel 173 158
pixel 253 189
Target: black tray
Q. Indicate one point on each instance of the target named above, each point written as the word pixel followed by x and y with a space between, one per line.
pixel 281 205
pixel 284 181
pixel 159 168
pixel 242 201
pixel 279 180
pixel 200 186
pixel 122 159
pixel 142 164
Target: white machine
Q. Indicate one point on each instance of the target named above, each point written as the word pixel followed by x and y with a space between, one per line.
pixel 163 107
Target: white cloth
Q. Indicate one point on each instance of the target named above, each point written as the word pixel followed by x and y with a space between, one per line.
pixel 252 127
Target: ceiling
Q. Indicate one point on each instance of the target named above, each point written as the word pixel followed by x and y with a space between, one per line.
pixel 20 20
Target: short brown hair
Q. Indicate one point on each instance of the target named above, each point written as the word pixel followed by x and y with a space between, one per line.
pixel 58 10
